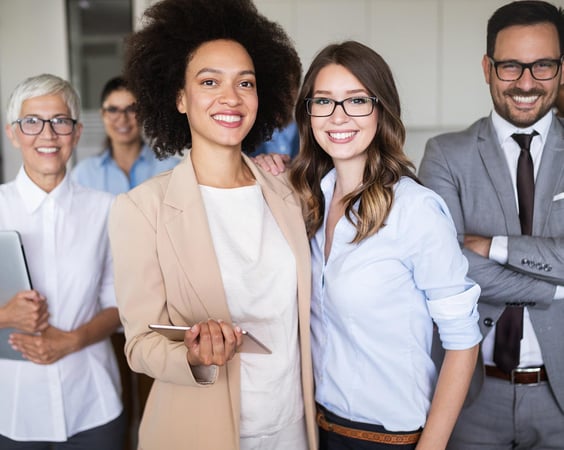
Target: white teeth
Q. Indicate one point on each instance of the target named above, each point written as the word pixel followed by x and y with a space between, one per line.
pixel 523 99
pixel 339 136
pixel 227 118
pixel 47 149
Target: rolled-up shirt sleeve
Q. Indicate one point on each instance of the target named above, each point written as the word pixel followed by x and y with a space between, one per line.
pixel 440 271
pixel 457 318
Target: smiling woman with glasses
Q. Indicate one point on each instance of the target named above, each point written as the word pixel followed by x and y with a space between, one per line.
pixel 373 230
pixel 126 160
pixel 59 330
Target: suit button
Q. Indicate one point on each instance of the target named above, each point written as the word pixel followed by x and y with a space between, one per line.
pixel 525 261
pixel 488 322
pixel 548 268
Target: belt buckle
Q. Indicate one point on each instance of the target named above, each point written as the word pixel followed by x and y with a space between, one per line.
pixel 536 370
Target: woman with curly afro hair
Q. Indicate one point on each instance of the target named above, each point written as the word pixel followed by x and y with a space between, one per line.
pixel 215 244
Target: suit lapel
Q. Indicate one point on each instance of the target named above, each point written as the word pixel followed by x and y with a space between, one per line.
pixel 287 212
pixel 496 166
pixel 188 230
pixel 548 177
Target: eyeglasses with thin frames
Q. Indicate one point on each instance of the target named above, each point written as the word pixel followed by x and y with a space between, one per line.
pixel 541 70
pixel 352 106
pixel 114 111
pixel 32 126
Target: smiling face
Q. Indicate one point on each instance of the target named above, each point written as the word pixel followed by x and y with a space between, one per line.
pixel 342 137
pixel 45 155
pixel 122 128
pixel 219 96
pixel 526 100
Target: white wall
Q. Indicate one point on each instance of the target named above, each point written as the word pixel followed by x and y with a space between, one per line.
pixel 434 48
pixel 33 40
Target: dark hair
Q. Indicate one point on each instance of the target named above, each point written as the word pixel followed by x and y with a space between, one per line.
pixel 386 161
pixel 529 12
pixel 112 85
pixel 157 56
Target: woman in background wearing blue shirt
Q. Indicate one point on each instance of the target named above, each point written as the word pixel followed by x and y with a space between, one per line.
pixel 126 161
pixel 386 265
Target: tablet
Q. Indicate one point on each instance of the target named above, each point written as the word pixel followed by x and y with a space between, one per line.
pixel 176 333
pixel 14 277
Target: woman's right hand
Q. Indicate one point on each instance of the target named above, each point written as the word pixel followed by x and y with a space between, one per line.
pixel 26 311
pixel 275 163
pixel 213 342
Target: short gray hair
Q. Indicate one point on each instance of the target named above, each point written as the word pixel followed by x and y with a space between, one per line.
pixel 37 86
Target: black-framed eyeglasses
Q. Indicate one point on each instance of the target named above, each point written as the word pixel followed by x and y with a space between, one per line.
pixel 352 106
pixel 541 70
pixel 114 112
pixel 33 126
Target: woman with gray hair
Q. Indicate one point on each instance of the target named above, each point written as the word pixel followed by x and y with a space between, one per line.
pixel 60 389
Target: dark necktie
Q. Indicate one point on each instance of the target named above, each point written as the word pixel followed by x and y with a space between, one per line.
pixel 509 327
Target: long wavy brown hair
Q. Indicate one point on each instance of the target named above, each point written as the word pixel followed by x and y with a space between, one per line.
pixel 386 161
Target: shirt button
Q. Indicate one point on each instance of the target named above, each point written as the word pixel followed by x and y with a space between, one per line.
pixel 488 322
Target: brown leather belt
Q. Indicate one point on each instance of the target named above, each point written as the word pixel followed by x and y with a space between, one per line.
pixel 527 375
pixel 372 436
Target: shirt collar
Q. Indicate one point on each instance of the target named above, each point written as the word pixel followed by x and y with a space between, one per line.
pixel 106 157
pixel 146 153
pixel 328 182
pixel 33 196
pixel 504 129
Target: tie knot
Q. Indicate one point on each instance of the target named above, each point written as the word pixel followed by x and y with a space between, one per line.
pixel 524 139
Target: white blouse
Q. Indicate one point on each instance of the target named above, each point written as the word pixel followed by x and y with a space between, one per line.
pixel 65 238
pixel 258 271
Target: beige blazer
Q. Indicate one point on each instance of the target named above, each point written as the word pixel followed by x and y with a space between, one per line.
pixel 166 271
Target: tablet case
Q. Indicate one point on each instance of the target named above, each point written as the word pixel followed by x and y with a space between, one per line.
pixel 14 277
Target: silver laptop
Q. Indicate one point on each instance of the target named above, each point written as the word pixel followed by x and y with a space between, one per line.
pixel 14 277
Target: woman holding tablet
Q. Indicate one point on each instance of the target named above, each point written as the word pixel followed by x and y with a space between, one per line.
pixel 215 244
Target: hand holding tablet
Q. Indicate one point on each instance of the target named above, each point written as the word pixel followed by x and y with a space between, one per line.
pixel 176 333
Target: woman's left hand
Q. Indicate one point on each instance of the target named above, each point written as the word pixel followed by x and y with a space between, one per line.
pixel 45 348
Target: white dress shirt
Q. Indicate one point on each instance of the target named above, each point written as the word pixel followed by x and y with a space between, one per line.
pixel 530 354
pixel 373 307
pixel 65 238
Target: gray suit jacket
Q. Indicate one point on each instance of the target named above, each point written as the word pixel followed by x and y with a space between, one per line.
pixel 468 169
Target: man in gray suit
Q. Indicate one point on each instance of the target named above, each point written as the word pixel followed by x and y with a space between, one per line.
pixel 506 195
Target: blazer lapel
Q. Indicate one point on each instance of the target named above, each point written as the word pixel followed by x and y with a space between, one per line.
pixel 496 166
pixel 548 177
pixel 188 230
pixel 288 215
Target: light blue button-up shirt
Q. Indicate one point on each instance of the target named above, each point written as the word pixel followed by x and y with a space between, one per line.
pixel 102 173
pixel 373 307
